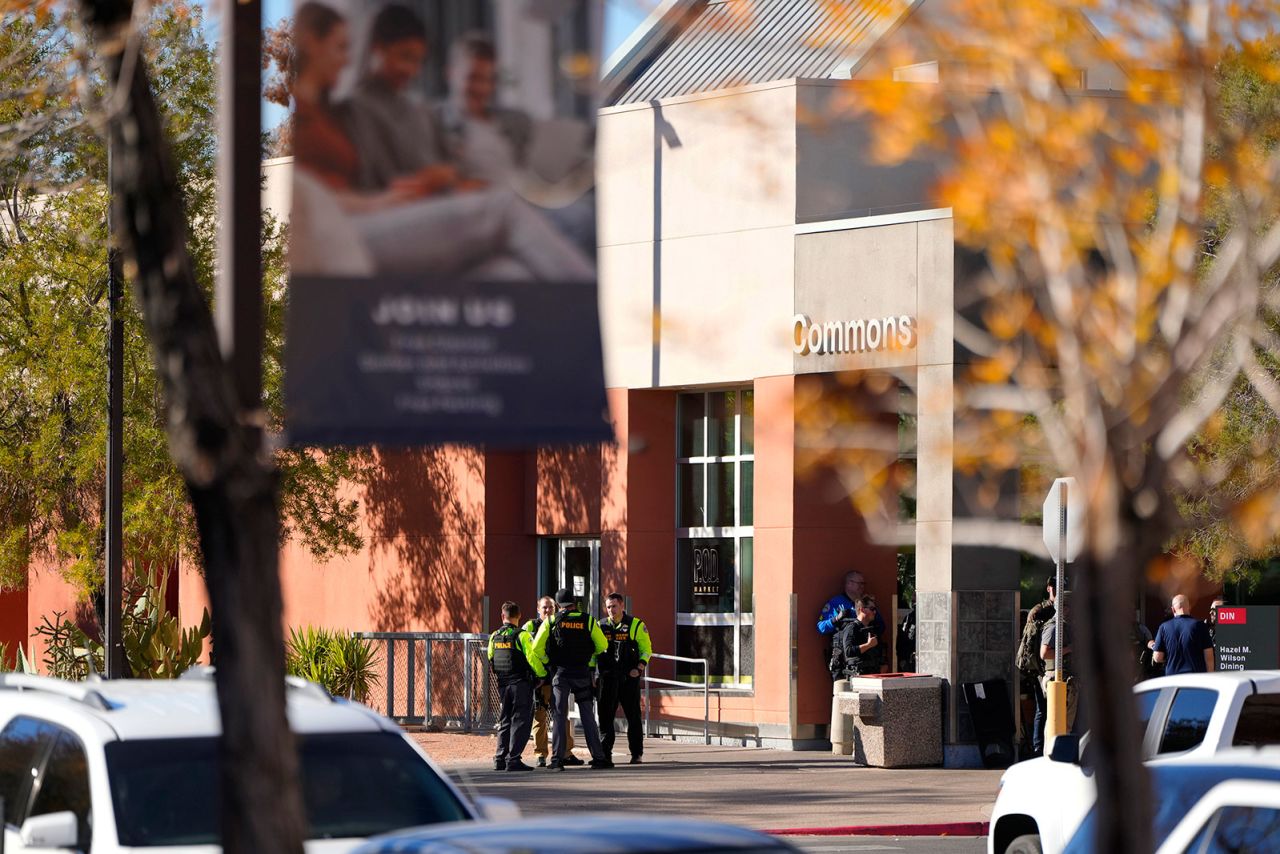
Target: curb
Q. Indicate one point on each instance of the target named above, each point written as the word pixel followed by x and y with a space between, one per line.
pixel 954 828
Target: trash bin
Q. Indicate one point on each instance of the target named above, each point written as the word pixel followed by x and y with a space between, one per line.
pixel 990 711
pixel 890 720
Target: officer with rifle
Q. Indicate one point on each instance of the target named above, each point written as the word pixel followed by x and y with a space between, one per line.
pixel 621 667
pixel 517 669
pixel 569 642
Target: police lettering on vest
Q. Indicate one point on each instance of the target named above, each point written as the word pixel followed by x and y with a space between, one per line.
pixel 571 644
pixel 508 658
pixel 623 653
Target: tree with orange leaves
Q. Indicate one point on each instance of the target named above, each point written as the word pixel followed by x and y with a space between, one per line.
pixel 1123 197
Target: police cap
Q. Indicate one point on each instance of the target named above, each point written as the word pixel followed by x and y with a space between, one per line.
pixel 564 596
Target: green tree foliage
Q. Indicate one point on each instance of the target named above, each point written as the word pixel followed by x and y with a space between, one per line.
pixel 1243 437
pixel 53 317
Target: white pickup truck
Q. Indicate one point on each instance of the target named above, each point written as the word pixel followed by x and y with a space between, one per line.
pixel 1185 718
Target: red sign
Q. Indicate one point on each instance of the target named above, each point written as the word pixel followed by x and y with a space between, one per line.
pixel 1233 616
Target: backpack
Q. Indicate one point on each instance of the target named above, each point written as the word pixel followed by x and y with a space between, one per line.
pixel 1028 660
pixel 846 659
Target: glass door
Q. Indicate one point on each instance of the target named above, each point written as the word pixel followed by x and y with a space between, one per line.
pixel 579 567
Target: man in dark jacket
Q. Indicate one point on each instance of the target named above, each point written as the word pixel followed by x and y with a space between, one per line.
pixel 621 667
pixel 570 642
pixel 1031 665
pixel 857 649
pixel 517 668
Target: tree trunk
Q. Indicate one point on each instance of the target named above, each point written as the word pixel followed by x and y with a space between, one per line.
pixel 230 479
pixel 1103 609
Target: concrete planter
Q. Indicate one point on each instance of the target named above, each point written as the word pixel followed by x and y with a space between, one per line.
pixel 890 721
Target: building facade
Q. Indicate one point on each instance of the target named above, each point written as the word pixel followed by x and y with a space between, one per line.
pixel 756 261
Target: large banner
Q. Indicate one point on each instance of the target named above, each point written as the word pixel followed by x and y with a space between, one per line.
pixel 442 233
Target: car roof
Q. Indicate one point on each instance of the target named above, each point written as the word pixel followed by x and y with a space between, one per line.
pixel 177 708
pixel 577 834
pixel 1268 681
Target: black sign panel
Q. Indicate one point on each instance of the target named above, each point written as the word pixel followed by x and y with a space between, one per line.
pixel 496 364
pixel 1248 638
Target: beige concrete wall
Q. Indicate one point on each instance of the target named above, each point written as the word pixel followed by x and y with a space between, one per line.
pixel 713 177
pixel 858 274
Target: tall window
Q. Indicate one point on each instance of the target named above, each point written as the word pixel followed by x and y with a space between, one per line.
pixel 715 605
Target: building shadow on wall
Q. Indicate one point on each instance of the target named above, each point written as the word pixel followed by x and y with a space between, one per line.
pixel 574 483
pixel 426 520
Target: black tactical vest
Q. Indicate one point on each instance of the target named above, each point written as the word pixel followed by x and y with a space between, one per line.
pixel 571 644
pixel 623 652
pixel 508 658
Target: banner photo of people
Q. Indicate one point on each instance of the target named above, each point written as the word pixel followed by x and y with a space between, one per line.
pixel 442 233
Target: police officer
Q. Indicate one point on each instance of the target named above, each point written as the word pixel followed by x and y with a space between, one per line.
pixel 570 642
pixel 517 668
pixel 542 697
pixel 621 667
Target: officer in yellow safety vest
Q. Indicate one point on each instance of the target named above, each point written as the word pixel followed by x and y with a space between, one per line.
pixel 542 697
pixel 569 642
pixel 621 667
pixel 517 668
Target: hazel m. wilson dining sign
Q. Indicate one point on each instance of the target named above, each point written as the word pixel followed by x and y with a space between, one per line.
pixel 442 235
pixel 811 337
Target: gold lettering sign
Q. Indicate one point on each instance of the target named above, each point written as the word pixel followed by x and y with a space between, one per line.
pixel 706 572
pixel 573 625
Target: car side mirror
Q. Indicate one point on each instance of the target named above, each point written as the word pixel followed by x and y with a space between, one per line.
pixel 497 809
pixel 52 830
pixel 1066 748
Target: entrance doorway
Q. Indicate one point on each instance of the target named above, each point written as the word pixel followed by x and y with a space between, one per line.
pixel 573 564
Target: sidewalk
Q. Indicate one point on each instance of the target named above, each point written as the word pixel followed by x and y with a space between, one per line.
pixel 762 789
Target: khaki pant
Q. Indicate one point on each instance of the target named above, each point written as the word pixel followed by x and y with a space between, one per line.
pixel 1073 696
pixel 541 723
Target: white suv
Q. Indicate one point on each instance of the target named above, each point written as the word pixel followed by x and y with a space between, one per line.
pixel 1184 718
pixel 132 764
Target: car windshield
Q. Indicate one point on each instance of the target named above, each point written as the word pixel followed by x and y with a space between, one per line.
pixel 353 785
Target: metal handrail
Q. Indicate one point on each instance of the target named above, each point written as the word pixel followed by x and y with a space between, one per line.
pixel 706 691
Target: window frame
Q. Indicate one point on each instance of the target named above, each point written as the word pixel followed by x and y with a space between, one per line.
pixel 739 618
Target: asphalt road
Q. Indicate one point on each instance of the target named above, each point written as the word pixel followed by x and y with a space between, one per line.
pixel 906 845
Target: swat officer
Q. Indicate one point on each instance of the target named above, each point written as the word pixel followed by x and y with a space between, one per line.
pixel 542 697
pixel 621 667
pixel 856 649
pixel 517 668
pixel 570 642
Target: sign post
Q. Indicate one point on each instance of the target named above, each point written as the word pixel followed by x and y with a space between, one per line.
pixel 1063 537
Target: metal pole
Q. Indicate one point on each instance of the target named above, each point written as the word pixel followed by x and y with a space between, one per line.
pixel 1061 574
pixel 114 583
pixel 706 702
pixel 238 295
pixel 647 704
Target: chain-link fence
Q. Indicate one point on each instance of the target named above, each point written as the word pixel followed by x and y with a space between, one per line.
pixel 436 679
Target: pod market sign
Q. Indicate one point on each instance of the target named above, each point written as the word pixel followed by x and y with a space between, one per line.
pixel 837 337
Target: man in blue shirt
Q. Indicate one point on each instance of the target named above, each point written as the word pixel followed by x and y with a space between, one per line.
pixel 1182 642
pixel 841 605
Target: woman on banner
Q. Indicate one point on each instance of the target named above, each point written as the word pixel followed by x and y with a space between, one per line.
pixel 420 223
